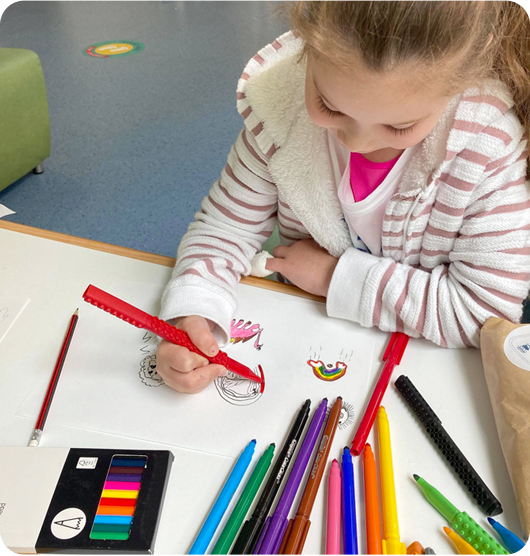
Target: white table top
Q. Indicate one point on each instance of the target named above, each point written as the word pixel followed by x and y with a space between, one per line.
pixel 53 275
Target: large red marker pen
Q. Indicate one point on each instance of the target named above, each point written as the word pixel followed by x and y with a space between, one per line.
pixel 141 319
pixel 392 357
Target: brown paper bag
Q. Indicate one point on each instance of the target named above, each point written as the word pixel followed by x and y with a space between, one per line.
pixel 506 357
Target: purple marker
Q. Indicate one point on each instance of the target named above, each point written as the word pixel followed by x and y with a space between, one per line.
pixel 275 526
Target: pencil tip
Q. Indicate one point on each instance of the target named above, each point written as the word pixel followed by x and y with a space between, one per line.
pixel 447 530
pixel 491 520
pixel 76 311
pixel 416 477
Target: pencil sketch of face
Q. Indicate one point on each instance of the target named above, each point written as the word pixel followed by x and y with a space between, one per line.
pixel 347 415
pixel 238 391
pixel 148 374
pixel 231 387
pixel 330 369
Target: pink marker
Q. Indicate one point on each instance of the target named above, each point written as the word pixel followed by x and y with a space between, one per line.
pixel 334 505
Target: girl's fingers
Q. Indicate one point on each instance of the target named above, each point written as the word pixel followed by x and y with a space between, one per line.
pixel 280 251
pixel 198 329
pixel 194 381
pixel 178 358
pixel 184 370
pixel 274 264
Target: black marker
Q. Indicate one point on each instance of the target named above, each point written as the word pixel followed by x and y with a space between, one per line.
pixel 482 495
pixel 251 530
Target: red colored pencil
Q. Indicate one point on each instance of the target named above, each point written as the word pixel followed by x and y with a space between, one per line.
pixel 39 426
pixel 392 357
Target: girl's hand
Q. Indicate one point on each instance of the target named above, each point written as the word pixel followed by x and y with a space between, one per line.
pixel 305 264
pixel 183 370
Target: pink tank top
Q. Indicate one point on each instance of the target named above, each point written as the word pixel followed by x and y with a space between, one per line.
pixel 366 176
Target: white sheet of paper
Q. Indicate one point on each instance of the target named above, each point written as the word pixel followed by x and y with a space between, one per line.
pixel 10 309
pixel 109 382
pixel 4 211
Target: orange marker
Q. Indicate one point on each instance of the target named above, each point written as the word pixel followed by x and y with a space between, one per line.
pixel 373 524
pixel 415 548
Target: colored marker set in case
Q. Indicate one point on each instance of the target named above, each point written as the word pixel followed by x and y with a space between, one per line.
pixel 118 501
pixel 75 499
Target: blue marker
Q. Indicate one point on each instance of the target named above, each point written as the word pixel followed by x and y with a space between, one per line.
pixel 221 504
pixel 512 542
pixel 114 519
pixel 349 517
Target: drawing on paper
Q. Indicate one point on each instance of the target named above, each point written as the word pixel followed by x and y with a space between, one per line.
pixel 347 415
pixel 10 309
pixel 149 343
pixel 329 371
pixel 147 373
pixel 231 387
pixel 239 391
pixel 244 331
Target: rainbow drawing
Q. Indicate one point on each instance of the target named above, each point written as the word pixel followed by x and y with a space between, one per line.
pixel 328 372
pixel 116 507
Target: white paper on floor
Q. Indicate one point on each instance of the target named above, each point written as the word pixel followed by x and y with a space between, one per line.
pixel 109 382
pixel 4 211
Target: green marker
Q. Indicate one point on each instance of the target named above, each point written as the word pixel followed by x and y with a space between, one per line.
pixel 462 523
pixel 243 504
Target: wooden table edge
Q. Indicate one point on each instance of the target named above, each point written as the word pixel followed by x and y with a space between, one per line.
pixel 145 256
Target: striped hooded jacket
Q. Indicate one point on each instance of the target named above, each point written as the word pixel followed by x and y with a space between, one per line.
pixel 455 238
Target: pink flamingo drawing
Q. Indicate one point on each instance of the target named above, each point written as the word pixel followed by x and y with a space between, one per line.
pixel 242 331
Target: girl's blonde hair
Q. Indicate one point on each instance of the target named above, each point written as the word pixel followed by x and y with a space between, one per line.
pixel 460 41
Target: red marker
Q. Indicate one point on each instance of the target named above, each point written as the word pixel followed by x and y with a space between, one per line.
pixel 141 319
pixel 392 357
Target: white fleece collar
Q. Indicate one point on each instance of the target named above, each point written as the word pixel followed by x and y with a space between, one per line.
pixel 302 171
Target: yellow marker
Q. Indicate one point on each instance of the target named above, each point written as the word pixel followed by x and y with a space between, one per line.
pixel 462 546
pixel 391 543
pixel 111 493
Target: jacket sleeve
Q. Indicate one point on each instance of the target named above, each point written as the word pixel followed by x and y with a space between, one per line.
pixel 488 272
pixel 235 219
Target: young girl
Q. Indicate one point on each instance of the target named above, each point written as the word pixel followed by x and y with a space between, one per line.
pixel 387 140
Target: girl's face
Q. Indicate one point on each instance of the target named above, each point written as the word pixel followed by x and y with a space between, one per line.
pixel 368 112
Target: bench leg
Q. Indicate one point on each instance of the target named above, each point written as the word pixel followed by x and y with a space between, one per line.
pixel 38 169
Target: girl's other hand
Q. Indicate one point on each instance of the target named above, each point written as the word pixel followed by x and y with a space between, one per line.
pixel 305 264
pixel 183 370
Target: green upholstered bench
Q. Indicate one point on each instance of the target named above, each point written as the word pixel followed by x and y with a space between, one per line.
pixel 24 119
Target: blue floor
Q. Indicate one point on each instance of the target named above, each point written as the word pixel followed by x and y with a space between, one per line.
pixel 137 140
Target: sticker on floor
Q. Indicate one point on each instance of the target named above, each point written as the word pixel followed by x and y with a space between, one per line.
pixel 112 49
